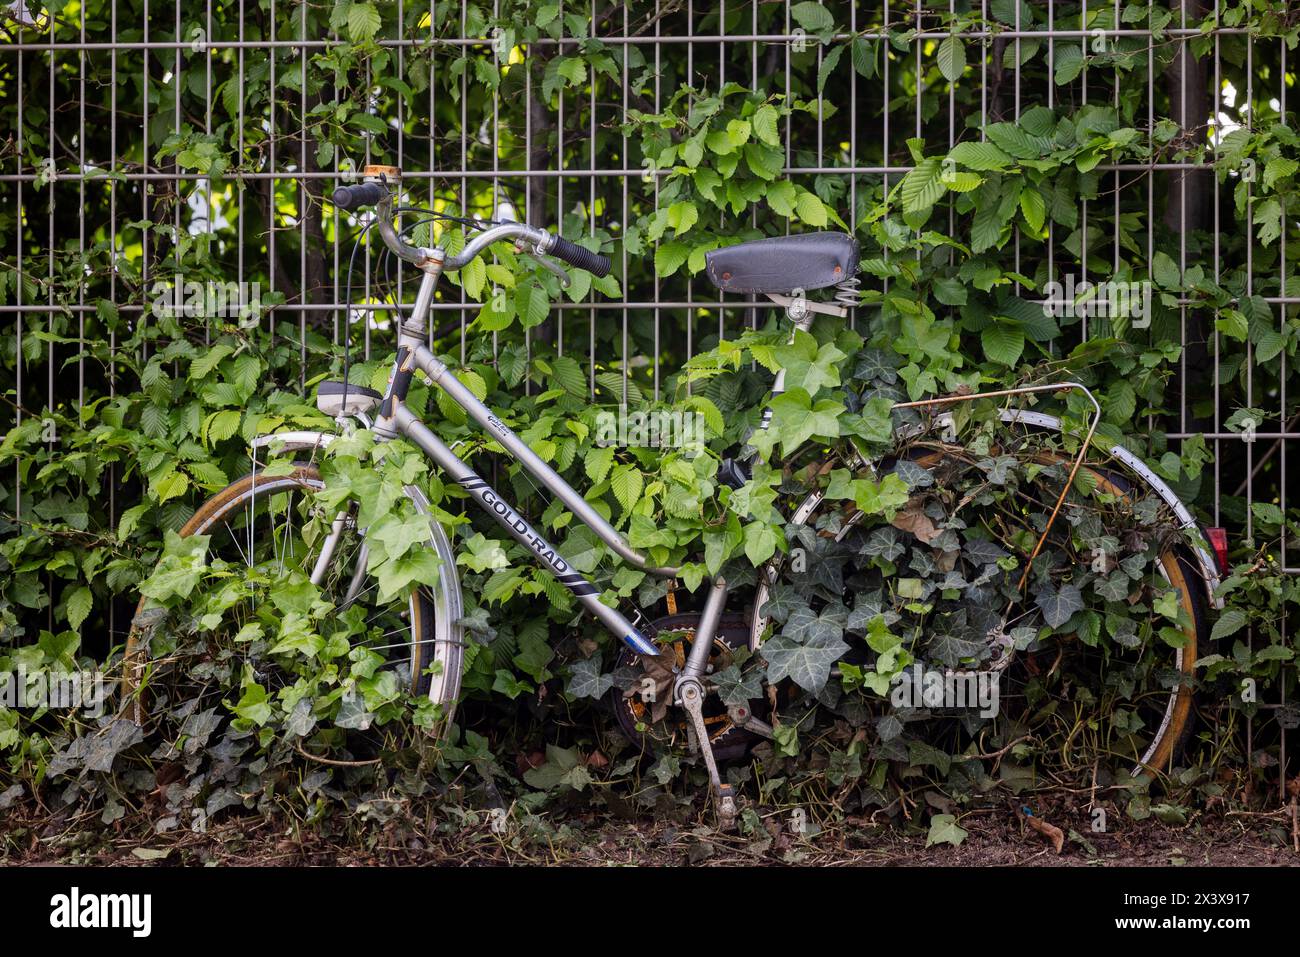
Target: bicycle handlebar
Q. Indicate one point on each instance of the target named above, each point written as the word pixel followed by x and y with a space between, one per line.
pixel 579 257
pixel 543 242
pixel 363 194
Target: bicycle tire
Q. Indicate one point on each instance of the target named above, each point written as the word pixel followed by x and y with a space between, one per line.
pixel 429 642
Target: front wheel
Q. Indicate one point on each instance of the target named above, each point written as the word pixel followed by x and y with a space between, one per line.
pixel 258 522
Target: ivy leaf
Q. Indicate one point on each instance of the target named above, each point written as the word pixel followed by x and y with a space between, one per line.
pixel 805 625
pixel 944 830
pixel 808 664
pixel 1060 605
pixel 796 419
pixel 1113 587
pixel 737 688
pixel 884 543
pixel 586 681
pixel 951 649
pixel 760 543
pixel 914 475
pixel 980 551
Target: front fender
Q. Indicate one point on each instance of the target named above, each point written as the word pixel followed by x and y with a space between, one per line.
pixel 294 441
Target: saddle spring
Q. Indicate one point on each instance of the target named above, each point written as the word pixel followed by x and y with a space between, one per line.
pixel 846 292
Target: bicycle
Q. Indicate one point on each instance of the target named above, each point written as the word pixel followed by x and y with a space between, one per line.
pixel 683 650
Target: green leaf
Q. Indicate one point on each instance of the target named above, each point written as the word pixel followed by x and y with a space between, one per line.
pixel 682 216
pixel 1069 62
pixel 765 124
pixel 812 16
pixel 1230 622
pixel 586 681
pixel 1015 141
pixel 1165 272
pixel 829 63
pixel 952 58
pixel 808 665
pixel 1003 343
pixel 669 258
pixel 764 161
pixel 944 830
pixel 1033 207
pixel 922 186
pixel 781 197
pixel 626 483
pixel 811 209
pixel 598 462
pixel 531 305
pixel 980 156
pixel 78 606
pixel 760 543
pixel 1060 605
pixel 363 22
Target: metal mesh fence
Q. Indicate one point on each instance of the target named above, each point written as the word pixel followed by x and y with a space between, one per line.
pixel 94 187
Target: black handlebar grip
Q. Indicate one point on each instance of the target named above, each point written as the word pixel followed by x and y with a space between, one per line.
pixel 363 194
pixel 575 255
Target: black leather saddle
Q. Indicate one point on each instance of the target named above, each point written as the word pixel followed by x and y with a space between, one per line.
pixel 785 263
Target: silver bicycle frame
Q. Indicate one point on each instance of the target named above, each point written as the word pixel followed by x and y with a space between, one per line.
pixel 396 418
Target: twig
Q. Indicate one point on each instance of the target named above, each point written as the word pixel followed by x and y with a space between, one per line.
pixel 1000 753
pixel 1295 826
pixel 334 762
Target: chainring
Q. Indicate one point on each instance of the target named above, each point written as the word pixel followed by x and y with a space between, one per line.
pixel 642 699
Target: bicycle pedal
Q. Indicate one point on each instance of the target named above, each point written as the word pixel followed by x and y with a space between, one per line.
pixel 726 795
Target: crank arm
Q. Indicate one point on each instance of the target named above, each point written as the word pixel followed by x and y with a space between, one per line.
pixel 744 719
pixel 691 697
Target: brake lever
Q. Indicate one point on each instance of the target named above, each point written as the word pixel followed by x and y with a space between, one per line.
pixel 541 259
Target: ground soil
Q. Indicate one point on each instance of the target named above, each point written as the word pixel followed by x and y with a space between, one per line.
pixel 994 836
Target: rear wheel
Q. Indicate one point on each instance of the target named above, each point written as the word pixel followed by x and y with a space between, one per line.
pixel 265 523
pixel 1129 704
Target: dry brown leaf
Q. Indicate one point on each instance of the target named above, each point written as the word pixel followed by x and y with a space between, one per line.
pixel 913 519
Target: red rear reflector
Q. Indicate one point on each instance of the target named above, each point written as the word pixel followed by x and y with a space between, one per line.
pixel 1219 542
